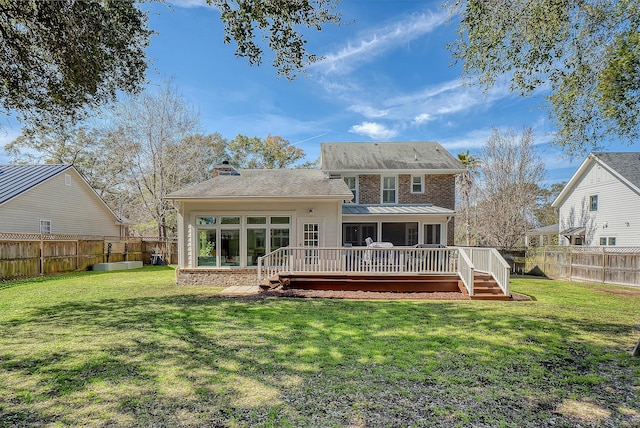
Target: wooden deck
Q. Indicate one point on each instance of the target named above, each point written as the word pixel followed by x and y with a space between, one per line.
pixel 485 286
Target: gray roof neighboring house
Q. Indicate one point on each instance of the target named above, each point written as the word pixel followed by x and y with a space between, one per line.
pixel 268 183
pixel 389 157
pixel 623 165
pixel 627 164
pixel 17 179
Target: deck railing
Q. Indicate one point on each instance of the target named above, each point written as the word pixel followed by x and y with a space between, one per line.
pixel 489 260
pixel 357 260
pixel 392 260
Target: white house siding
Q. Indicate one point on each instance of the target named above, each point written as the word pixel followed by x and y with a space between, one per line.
pixel 618 213
pixel 72 209
pixel 326 212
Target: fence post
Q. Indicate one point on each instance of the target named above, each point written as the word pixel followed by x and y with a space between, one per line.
pixel 41 254
pixel 604 263
pixel 570 263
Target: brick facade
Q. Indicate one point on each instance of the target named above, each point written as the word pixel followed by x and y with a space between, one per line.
pixel 368 189
pixel 439 190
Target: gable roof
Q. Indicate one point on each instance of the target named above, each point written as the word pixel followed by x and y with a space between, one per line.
pixel 17 179
pixel 623 165
pixel 388 156
pixel 268 183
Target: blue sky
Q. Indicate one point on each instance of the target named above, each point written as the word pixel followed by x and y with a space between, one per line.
pixel 386 76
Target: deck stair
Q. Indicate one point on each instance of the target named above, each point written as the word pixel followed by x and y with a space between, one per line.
pixel 486 288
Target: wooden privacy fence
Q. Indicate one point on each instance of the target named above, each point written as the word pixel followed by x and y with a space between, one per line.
pixel 33 254
pixel 608 265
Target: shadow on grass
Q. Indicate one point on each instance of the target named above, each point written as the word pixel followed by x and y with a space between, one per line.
pixel 195 361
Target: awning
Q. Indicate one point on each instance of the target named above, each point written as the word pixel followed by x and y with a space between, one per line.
pixel 573 231
pixel 353 209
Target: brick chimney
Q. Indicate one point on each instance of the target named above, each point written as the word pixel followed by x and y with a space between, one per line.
pixel 224 169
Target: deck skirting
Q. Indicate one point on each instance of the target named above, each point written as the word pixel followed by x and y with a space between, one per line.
pixel 217 277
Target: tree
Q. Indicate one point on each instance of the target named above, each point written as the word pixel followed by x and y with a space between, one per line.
pixel 510 175
pixel 465 184
pixel 272 153
pixel 276 20
pixel 152 136
pixel 545 214
pixel 59 58
pixel 586 53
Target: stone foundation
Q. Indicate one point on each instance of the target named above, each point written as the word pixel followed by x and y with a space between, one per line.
pixel 217 277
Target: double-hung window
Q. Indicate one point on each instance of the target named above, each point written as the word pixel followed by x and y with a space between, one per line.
pixel 45 226
pixel 417 184
pixel 593 203
pixel 389 190
pixel 352 182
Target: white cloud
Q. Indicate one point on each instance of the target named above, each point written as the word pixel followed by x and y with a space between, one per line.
pixel 373 130
pixel 379 40
pixel 188 3
pixel 422 118
pixel 368 111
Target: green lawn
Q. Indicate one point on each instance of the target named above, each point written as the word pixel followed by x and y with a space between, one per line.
pixel 132 349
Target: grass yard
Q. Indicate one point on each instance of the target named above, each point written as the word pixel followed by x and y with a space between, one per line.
pixel 130 348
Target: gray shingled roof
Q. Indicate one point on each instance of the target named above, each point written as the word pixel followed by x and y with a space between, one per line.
pixel 398 156
pixel 268 183
pixel 627 164
pixel 17 179
pixel 420 209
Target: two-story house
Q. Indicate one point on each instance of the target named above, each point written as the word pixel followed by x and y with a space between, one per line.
pixel 403 193
pixel 599 205
pixel 399 193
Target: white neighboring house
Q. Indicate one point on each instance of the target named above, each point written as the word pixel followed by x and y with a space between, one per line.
pixel 600 205
pixel 53 199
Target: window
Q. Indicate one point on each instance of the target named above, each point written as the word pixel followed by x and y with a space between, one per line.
pixel 45 226
pixel 432 234
pixel 400 234
pixel 256 239
pixel 352 182
pixel 417 184
pixel 205 220
pixel 603 241
pixel 230 247
pixel 355 234
pixel 593 203
pixel 612 240
pixel 234 240
pixel 207 247
pixel 389 190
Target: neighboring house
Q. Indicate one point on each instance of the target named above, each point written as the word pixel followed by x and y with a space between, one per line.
pixel 600 205
pixel 541 236
pixel 402 193
pixel 52 199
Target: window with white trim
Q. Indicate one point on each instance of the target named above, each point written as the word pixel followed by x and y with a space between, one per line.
pixel 352 182
pixel 417 184
pixel 219 238
pixel 45 226
pixel 593 203
pixel 389 190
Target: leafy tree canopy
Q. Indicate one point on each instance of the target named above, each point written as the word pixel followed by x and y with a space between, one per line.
pixel 279 23
pixel 273 152
pixel 59 57
pixel 586 52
